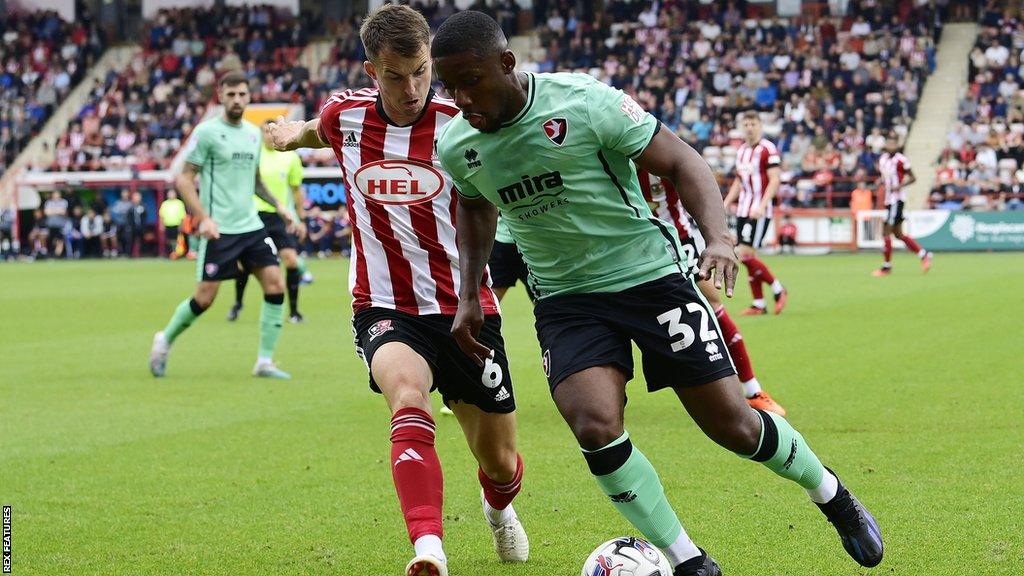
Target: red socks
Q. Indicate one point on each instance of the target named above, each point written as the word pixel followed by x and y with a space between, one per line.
pixel 499 496
pixel 911 243
pixel 757 272
pixel 887 250
pixel 737 349
pixel 417 472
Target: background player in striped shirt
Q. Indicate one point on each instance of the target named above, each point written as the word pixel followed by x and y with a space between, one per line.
pixel 664 202
pixel 281 173
pixel 405 284
pixel 554 154
pixel 895 174
pixel 753 190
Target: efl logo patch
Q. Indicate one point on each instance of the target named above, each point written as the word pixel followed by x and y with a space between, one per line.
pixel 556 129
pixel 379 328
pixel 211 269
pixel 631 109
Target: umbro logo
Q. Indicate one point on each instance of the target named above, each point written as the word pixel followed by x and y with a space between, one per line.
pixel 502 394
pixel 624 497
pixel 409 455
pixel 472 159
pixel 351 140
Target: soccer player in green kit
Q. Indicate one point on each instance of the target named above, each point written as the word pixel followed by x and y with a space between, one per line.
pixel 281 174
pixel 224 152
pixel 552 153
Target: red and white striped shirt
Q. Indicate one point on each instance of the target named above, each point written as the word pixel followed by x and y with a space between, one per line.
pixel 893 168
pixel 661 196
pixel 401 205
pixel 752 164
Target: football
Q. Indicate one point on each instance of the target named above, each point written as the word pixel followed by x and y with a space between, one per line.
pixel 626 556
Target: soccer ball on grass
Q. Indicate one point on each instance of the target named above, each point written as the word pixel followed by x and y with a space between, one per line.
pixel 626 556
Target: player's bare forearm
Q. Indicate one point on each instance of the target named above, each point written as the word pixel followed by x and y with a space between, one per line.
pixel 300 201
pixel 292 135
pixel 476 221
pixel 185 184
pixel 263 194
pixel 669 157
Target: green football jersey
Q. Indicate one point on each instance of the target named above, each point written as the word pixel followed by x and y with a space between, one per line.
pixel 280 172
pixel 501 233
pixel 228 156
pixel 561 175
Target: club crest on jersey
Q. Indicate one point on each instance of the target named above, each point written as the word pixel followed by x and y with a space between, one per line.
pixel 555 129
pixel 379 328
pixel 398 182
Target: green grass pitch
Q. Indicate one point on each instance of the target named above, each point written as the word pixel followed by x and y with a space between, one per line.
pixel 911 387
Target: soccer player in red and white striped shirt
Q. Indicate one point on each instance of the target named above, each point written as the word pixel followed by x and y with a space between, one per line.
pixel 895 174
pixel 753 190
pixel 663 200
pixel 405 283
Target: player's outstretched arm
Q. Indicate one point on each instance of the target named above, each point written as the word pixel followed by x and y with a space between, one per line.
pixel 475 220
pixel 291 135
pixel 669 157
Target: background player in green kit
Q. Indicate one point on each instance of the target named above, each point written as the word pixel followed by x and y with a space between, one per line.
pixel 281 174
pixel 224 152
pixel 552 152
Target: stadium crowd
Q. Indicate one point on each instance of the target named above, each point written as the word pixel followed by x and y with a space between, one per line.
pixel 138 117
pixel 982 166
pixel 42 57
pixel 828 92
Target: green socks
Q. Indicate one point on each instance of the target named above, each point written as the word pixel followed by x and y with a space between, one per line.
pixel 271 318
pixel 783 450
pixel 184 315
pixel 633 486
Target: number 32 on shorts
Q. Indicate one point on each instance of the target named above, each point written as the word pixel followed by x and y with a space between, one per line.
pixel 676 327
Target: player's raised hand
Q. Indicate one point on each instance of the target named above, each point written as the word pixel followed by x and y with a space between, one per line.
pixel 208 229
pixel 718 263
pixel 469 319
pixel 284 134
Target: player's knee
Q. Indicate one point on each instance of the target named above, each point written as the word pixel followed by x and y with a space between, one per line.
pixel 202 300
pixel 407 393
pixel 594 432
pixel 501 465
pixel 739 432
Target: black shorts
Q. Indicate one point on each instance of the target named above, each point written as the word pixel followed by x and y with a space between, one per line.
pixel 277 231
pixel 894 213
pixel 672 324
pixel 220 259
pixel 456 376
pixel 507 267
pixel 751 232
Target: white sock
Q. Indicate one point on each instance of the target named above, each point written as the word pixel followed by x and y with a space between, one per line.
pixel 498 517
pixel 777 286
pixel 430 545
pixel 827 490
pixel 751 387
pixel 758 303
pixel 261 360
pixel 922 253
pixel 681 550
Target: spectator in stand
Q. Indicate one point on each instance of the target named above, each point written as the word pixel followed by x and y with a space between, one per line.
pixel 91 229
pixel 39 234
pixel 172 214
pixel 8 216
pixel 787 235
pixel 56 211
pixel 72 233
pixel 119 220
pixel 109 238
pixel 136 226
pixel 861 198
